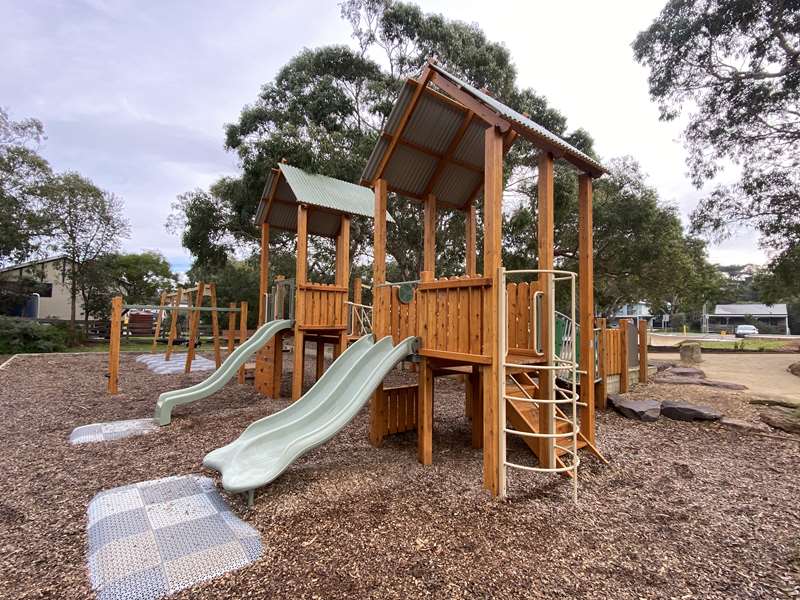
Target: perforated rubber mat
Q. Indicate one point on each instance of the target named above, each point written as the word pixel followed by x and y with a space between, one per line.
pixel 176 364
pixel 154 538
pixel 113 430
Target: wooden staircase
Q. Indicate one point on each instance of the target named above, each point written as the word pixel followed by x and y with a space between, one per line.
pixel 524 416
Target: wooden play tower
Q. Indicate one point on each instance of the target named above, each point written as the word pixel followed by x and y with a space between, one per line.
pixel 308 204
pixel 444 145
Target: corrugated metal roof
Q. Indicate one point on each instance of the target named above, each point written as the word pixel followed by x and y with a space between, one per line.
pixel 433 125
pixel 296 186
pixel 755 310
pixel 510 114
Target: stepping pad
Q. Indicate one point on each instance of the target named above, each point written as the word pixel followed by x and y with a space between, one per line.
pixel 176 364
pixel 154 538
pixel 113 430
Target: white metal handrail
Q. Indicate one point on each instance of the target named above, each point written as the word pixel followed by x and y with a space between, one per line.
pixel 557 364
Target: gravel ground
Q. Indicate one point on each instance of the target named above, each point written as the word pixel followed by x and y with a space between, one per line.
pixel 684 509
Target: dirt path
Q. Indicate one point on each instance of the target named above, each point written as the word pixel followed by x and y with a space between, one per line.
pixel 761 373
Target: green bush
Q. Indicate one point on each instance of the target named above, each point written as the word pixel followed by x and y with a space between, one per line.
pixel 25 335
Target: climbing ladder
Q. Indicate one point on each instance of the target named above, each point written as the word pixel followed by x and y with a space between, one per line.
pixel 546 418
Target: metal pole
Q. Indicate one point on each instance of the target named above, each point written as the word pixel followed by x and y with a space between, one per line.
pixel 501 374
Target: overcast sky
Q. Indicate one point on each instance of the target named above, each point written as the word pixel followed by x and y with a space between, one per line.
pixel 135 94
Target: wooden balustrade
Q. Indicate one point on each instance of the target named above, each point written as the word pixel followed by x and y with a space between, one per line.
pixel 323 306
pixel 452 319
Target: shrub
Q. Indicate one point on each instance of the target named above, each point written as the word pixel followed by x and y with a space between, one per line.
pixel 25 335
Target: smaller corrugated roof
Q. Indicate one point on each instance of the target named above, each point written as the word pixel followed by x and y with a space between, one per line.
pixel 34 262
pixel 754 310
pixel 331 197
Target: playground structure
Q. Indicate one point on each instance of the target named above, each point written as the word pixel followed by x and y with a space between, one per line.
pixel 190 302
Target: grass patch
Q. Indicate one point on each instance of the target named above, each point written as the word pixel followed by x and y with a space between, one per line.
pixel 745 344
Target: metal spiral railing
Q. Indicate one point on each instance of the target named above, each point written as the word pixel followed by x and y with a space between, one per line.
pixel 555 397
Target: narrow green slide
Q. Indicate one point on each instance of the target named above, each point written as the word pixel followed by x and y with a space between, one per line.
pixel 268 446
pixel 228 369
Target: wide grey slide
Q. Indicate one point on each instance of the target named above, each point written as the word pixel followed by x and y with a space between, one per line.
pixel 268 446
pixel 169 400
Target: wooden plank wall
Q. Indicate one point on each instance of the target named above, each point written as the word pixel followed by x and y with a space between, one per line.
pixel 323 305
pixel 450 316
pixel 402 318
pixel 520 298
pixel 613 349
pixel 401 409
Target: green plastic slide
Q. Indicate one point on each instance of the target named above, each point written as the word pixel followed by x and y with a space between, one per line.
pixel 268 446
pixel 169 400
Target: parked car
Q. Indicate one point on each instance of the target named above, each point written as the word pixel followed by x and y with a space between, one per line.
pixel 745 330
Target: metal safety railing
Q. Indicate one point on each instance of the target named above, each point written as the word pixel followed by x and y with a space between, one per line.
pixel 359 319
pixel 552 395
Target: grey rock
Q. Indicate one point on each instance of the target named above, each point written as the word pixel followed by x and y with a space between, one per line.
pixel 641 410
pixel 742 425
pixel 690 353
pixel 683 411
pixel 612 399
pixel 666 377
pixel 686 372
pixel 785 419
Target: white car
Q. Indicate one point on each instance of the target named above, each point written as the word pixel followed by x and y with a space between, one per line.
pixel 745 330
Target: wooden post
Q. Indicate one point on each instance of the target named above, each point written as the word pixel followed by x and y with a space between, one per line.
pixel 263 275
pixel 492 260
pixel 476 404
pixel 586 308
pixel 320 366
pixel 546 259
pixel 602 371
pixel 114 345
pixel 231 329
pixel 429 236
pixel 642 351
pixel 377 405
pixel 301 279
pixel 342 275
pixel 472 240
pixel 195 327
pixel 215 324
pixel 425 413
pixel 242 334
pixel 623 355
pixel 159 316
pixel 173 322
pixel 357 299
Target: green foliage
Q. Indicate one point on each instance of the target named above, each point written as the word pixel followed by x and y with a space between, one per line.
pixel 737 65
pixel 640 250
pixel 23 181
pixel 23 335
pixel 86 224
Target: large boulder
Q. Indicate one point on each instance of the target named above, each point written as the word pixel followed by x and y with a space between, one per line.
pixel 641 410
pixel 683 411
pixel 690 353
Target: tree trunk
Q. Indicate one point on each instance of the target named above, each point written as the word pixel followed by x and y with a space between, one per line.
pixel 73 292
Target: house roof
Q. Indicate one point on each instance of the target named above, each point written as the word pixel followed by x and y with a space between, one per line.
pixel 31 263
pixel 432 143
pixel 289 186
pixel 754 310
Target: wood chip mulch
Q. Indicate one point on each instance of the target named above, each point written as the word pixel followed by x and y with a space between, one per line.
pixel 684 510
